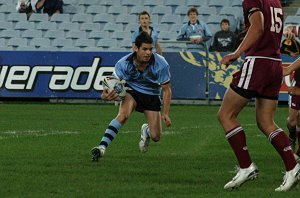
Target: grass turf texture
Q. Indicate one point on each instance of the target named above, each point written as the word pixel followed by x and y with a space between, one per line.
pixel 45 152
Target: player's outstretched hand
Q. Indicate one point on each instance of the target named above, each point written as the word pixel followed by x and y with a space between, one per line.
pixel 109 95
pixel 166 120
pixel 228 59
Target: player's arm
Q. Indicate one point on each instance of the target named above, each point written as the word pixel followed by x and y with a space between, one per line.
pixel 254 32
pixel 167 94
pixel 294 91
pixel 292 67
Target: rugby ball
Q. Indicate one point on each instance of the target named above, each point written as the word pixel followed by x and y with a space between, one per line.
pixel 112 83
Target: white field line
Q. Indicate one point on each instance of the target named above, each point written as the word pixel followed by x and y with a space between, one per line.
pixel 33 133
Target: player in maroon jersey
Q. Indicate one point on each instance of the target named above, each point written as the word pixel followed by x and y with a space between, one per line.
pixel 260 77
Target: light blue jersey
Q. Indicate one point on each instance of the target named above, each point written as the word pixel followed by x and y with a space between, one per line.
pixel 148 82
pixel 199 29
pixel 153 34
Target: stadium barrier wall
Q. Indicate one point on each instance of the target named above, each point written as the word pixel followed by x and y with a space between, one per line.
pixel 79 75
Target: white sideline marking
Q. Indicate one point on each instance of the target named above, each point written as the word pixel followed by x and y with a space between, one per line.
pixel 33 133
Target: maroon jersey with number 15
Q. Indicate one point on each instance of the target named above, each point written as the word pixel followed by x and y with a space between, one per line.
pixel 269 43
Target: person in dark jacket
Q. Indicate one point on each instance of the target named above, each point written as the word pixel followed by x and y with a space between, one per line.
pixel 49 6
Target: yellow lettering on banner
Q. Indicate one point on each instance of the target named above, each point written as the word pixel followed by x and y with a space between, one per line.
pixel 188 57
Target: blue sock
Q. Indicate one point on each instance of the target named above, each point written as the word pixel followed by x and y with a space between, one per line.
pixel 110 133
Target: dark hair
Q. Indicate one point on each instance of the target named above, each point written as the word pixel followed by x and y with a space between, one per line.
pixel 144 13
pixel 143 37
pixel 225 21
pixel 192 10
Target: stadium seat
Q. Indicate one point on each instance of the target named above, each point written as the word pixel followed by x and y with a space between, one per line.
pixel 46 26
pixel 36 17
pixel 15 17
pixel 207 10
pixel 2 42
pixel 8 8
pixel 110 3
pixel 81 18
pixel 130 3
pixel 218 4
pixel 107 43
pixel 170 19
pixel 236 3
pixel 62 42
pixel 295 20
pixel 98 35
pixel 24 25
pixel 87 2
pixel 120 35
pixel 103 18
pixel 10 34
pixel 76 34
pixel 70 2
pixel 126 43
pixel 38 42
pixel 96 9
pixel 116 10
pixel 73 9
pixel 111 27
pixel 85 43
pixel 5 2
pixel 47 48
pixel 59 18
pixel 27 48
pixel 174 3
pixel 70 49
pixel 137 9
pixel 131 27
pixel 125 19
pixel 152 3
pixel 32 34
pixel 53 34
pixel 167 35
pixel 175 28
pixel 68 26
pixel 298 12
pixel 213 27
pixel 4 25
pixel 6 48
pixel 88 27
pixel 16 42
pixel 162 27
pixel 181 10
pixel 161 10
pixel 2 17
pixel 215 19
pixel 196 3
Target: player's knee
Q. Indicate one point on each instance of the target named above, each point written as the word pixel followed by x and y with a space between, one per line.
pixel 221 117
pixel 122 117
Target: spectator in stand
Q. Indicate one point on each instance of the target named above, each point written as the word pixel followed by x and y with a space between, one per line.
pixel 224 40
pixel 26 6
pixel 195 31
pixel 144 20
pixel 49 6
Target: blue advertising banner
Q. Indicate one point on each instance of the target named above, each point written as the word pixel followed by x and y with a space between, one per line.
pixel 80 74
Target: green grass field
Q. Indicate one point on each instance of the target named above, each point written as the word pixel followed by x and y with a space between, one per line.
pixel 45 152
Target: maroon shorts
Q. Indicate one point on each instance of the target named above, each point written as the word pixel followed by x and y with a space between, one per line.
pixel 258 77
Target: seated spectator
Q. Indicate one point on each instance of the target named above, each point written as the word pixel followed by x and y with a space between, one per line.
pixel 25 6
pixel 144 20
pixel 49 6
pixel 224 40
pixel 195 31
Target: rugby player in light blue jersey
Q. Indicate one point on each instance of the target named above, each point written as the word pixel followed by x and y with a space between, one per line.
pixel 147 74
pixel 144 20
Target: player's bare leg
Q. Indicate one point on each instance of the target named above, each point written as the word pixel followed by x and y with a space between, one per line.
pixel 231 106
pixel 265 111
